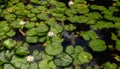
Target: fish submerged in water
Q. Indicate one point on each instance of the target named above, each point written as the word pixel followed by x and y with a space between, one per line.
pixel 116 57
pixel 71 36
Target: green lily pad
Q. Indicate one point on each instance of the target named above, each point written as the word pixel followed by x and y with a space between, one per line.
pixel 23 50
pixel 2 58
pixel 29 25
pixel 17 61
pixel 109 65
pixel 87 35
pixel 117 25
pixel 32 39
pixel 31 32
pixel 10 17
pixel 63 60
pixel 117 47
pixel 42 39
pixel 97 45
pixel 84 57
pixel 42 28
pixel 54 50
pixel 8 66
pixel 45 64
pixel 11 33
pixel 69 49
pixel 29 66
pixel 9 43
pixel 69 27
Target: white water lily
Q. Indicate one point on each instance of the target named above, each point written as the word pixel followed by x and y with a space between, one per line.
pixel 30 58
pixel 70 3
pixel 22 23
pixel 51 34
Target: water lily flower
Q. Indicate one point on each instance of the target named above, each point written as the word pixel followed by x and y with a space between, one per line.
pixel 70 3
pixel 22 23
pixel 30 58
pixel 51 34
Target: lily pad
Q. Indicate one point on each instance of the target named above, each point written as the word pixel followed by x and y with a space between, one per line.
pixel 32 39
pixel 45 64
pixel 23 50
pixel 17 61
pixel 53 50
pixel 8 66
pixel 117 47
pixel 63 60
pixel 84 57
pixel 9 43
pixel 97 45
pixel 31 32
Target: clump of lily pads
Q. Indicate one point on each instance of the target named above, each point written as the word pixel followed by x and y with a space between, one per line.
pixel 45 22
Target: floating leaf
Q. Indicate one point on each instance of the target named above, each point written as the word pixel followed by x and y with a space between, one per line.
pixel 117 25
pixel 97 45
pixel 8 66
pixel 42 16
pixel 29 25
pixel 9 43
pixel 87 35
pixel 54 50
pixel 45 64
pixel 42 39
pixel 11 33
pixel 2 58
pixel 31 32
pixel 42 28
pixel 32 39
pixel 84 57
pixel 23 50
pixel 17 61
pixel 10 17
pixel 63 60
pixel 94 15
pixel 69 27
pixel 69 49
pixel 109 65
pixel 117 47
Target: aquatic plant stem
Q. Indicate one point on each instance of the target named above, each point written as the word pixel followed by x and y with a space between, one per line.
pixel 23 34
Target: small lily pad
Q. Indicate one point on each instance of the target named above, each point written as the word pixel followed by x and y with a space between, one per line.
pixel 63 60
pixel 84 57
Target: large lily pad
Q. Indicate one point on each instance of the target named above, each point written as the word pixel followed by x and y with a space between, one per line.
pixel 97 45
